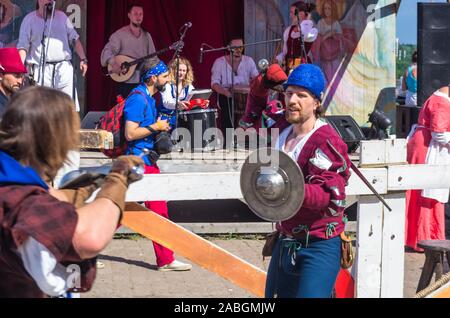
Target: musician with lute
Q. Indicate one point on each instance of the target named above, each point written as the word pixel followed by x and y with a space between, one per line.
pixel 128 45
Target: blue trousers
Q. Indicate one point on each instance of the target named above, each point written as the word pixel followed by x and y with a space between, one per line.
pixel 300 271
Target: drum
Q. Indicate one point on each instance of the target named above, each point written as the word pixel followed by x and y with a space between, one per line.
pixel 202 127
pixel 240 103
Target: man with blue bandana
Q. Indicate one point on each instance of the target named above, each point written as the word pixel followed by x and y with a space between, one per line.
pixel 141 127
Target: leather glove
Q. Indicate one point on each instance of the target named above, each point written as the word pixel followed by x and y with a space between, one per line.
pixel 78 197
pixel 81 188
pixel 118 180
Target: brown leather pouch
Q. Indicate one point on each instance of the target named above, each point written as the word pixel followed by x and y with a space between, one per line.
pixel 347 252
pixel 271 240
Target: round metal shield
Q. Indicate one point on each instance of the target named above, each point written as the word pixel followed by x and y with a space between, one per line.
pixel 272 185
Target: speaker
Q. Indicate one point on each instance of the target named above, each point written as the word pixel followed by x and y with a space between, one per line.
pixel 347 129
pixel 433 49
pixel 91 120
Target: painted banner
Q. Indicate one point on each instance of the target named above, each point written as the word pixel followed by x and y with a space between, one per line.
pixel 355 48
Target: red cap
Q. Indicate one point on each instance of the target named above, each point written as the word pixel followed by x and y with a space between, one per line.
pixel 276 74
pixel 10 61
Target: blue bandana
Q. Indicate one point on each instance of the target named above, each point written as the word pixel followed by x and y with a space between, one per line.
pixel 155 71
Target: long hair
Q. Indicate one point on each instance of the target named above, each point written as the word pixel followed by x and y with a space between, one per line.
pixel 335 14
pixel 39 128
pixel 189 74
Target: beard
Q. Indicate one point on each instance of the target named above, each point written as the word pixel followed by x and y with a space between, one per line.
pixel 11 89
pixel 161 88
pixel 293 119
pixel 136 25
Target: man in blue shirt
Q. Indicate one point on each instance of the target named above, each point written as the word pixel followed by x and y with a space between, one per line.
pixel 141 127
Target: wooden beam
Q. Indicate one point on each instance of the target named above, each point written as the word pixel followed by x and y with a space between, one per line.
pixel 96 139
pixel 224 186
pixel 416 177
pixel 369 248
pixel 195 248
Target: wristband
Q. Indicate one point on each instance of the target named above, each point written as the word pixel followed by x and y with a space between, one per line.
pixel 150 129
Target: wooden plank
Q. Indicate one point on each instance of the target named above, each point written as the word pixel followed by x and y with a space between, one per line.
pixel 220 228
pixel 96 139
pixel 222 154
pixel 418 177
pixel 372 152
pixel 223 185
pixel 376 176
pixel 396 152
pixel 186 187
pixel 393 251
pixel 195 248
pixel 369 244
pixel 231 228
pixel 382 152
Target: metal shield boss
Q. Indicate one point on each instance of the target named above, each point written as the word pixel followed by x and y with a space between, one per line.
pixel 272 185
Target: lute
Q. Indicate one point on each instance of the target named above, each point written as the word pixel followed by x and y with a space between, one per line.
pixel 128 64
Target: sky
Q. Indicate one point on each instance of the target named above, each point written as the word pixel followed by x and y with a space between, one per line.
pixel 407 21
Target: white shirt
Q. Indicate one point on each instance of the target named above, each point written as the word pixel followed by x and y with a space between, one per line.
pixel 62 33
pixel 222 71
pixel 51 277
pixel 169 95
pixel 295 153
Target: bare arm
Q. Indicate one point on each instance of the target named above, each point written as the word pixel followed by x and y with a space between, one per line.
pixel 134 132
pixel 97 223
pixel 80 51
pixel 221 90
pixel 23 55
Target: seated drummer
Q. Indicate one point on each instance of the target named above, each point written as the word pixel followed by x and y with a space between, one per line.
pixel 243 72
pixel 167 109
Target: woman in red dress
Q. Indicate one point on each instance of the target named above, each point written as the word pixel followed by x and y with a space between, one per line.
pixel 430 144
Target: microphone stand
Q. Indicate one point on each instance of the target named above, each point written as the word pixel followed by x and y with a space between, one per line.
pixel 43 58
pixel 177 80
pixel 302 40
pixel 230 49
pixel 74 80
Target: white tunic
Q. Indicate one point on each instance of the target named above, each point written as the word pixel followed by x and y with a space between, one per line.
pixel 61 35
pixel 169 95
pixel 222 71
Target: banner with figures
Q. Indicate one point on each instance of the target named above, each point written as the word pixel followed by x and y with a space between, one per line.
pixel 354 47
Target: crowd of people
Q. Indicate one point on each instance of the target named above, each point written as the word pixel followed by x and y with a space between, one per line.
pixel 45 230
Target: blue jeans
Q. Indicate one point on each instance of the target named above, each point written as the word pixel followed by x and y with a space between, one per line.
pixel 300 271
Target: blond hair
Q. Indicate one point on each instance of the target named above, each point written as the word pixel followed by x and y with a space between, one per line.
pixel 189 79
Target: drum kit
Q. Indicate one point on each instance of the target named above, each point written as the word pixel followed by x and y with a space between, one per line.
pixel 199 119
pixel 201 124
